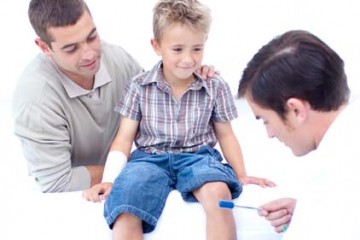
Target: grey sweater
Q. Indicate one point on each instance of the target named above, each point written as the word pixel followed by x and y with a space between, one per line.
pixel 60 135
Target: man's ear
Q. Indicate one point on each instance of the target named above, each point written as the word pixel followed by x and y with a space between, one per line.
pixel 155 46
pixel 298 109
pixel 43 46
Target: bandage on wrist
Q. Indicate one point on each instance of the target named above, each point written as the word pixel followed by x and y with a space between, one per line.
pixel 115 163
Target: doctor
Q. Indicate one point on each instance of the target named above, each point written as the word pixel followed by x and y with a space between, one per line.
pixel 296 84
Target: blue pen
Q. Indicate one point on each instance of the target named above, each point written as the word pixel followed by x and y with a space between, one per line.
pixel 230 205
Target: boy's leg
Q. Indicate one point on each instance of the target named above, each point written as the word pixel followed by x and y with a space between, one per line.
pixel 127 226
pixel 203 177
pixel 220 222
pixel 138 196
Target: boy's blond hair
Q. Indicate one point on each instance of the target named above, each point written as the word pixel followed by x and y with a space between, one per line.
pixel 191 13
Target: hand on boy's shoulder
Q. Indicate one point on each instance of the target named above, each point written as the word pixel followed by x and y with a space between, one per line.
pixel 208 71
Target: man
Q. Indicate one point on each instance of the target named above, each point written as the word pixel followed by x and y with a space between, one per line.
pixel 63 103
pixel 297 86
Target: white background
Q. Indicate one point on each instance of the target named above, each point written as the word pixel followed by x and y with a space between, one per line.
pixel 239 29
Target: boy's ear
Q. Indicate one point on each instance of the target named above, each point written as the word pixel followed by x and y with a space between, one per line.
pixel 298 109
pixel 155 46
pixel 43 46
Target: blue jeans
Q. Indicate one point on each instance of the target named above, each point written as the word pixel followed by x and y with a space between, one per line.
pixel 145 183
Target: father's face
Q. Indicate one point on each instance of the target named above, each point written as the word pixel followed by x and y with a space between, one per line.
pixel 76 49
pixel 289 132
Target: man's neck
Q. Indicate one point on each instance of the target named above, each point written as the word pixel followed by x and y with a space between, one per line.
pixel 323 122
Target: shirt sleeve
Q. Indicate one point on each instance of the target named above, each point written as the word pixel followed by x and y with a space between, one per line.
pixel 225 108
pixel 128 105
pixel 45 140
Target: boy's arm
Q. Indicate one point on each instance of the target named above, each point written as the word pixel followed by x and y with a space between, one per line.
pixel 125 136
pixel 231 150
pixel 116 160
pixel 230 147
pixel 120 149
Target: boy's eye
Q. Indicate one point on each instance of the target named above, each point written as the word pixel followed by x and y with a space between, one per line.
pixel 177 49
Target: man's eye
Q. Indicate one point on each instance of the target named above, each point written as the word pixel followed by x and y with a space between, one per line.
pixel 92 38
pixel 71 49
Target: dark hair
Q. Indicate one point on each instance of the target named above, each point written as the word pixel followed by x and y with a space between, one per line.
pixel 44 14
pixel 295 64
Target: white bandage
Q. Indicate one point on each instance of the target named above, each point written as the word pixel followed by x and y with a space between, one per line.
pixel 115 163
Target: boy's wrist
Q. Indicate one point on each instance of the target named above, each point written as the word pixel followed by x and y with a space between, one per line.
pixel 115 163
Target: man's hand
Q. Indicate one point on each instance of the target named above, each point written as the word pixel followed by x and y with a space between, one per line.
pixel 98 192
pixel 207 71
pixel 278 212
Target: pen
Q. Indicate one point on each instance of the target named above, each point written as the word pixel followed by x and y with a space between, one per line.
pixel 230 205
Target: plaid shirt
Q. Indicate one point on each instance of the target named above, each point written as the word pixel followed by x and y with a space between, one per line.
pixel 168 125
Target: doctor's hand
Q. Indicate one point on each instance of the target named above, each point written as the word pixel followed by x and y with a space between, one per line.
pixel 278 212
pixel 98 192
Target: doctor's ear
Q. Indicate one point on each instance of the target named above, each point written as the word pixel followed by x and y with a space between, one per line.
pixel 43 46
pixel 298 109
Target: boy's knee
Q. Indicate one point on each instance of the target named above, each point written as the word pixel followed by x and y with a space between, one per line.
pixel 212 192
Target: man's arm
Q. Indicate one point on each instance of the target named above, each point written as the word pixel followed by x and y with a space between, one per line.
pixel 47 147
pixel 96 173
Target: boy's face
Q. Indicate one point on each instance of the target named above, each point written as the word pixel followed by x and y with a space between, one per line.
pixel 75 49
pixel 182 51
pixel 292 132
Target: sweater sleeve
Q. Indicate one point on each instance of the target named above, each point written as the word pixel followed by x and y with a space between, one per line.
pixel 60 136
pixel 44 133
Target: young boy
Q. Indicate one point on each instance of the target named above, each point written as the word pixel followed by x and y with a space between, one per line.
pixel 175 118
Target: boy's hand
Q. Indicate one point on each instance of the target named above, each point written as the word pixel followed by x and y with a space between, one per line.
pixel 98 192
pixel 263 182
